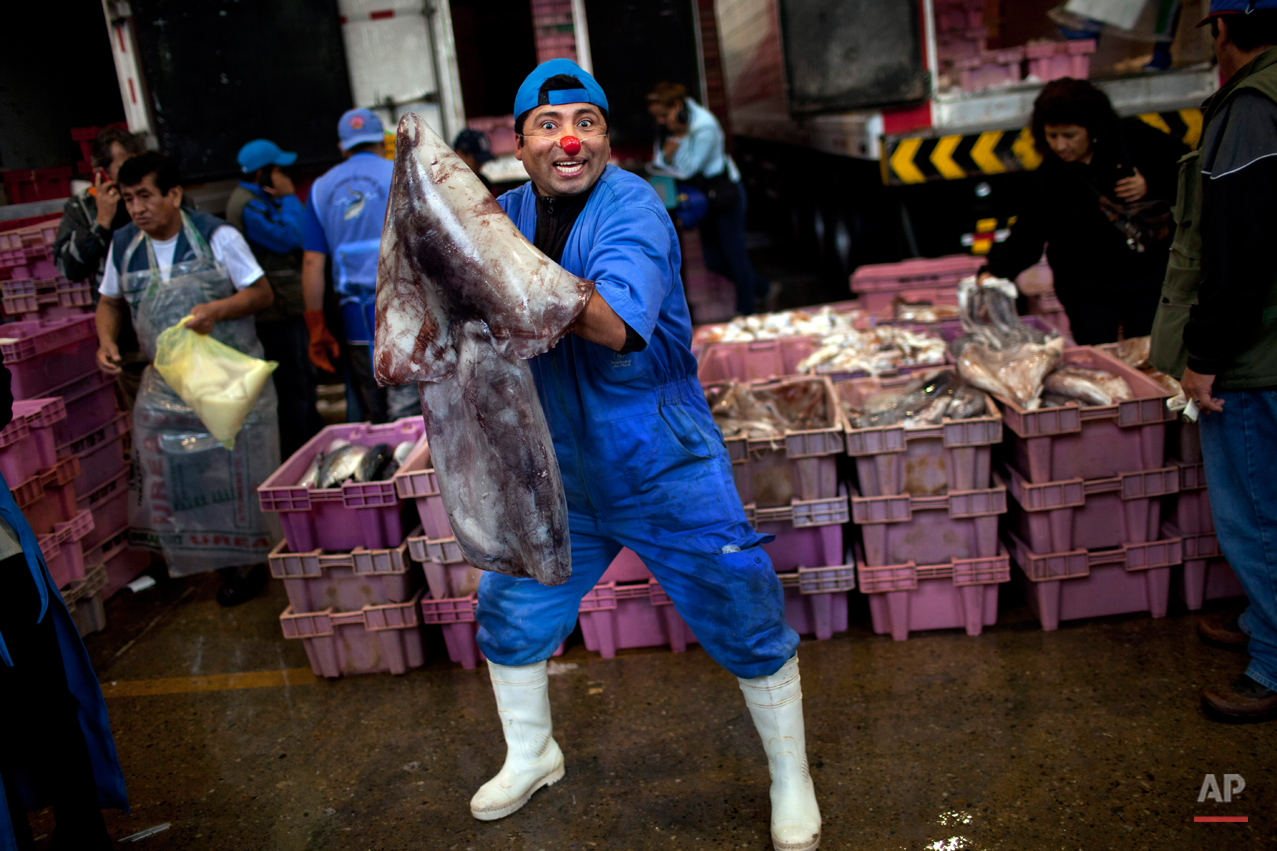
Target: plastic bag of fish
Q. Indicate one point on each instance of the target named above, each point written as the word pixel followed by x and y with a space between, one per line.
pixel 997 352
pixel 942 395
pixel 343 461
pixel 810 322
pixel 874 351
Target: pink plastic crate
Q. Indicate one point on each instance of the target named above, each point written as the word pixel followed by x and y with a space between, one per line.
pixel 801 466
pixel 63 553
pixel 798 548
pixel 1093 442
pixel 959 16
pixel 27 443
pixel 84 598
pixel 929 529
pixel 110 507
pixel 1206 574
pixel 53 298
pixel 48 498
pixel 617 617
pixel 753 360
pixel 1054 60
pixel 46 354
pixel 90 402
pixel 102 453
pixel 1078 514
pixel 953 45
pixel 990 69
pixel 958 593
pixel 927 460
pixel 417 481
pixel 626 567
pixel 371 640
pixel 448 574
pixel 915 273
pixel 123 563
pixel 816 599
pixel 500 130
pixel 367 514
pixel 345 582
pixel 455 617
pixel 1080 584
pixel 802 514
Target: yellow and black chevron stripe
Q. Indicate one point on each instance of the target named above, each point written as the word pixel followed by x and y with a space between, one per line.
pixel 923 159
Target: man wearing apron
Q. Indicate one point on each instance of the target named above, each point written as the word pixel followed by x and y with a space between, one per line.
pixel 193 500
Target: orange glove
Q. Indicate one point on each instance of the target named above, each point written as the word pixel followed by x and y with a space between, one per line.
pixel 323 345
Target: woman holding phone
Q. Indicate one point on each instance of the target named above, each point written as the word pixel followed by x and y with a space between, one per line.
pixel 1100 205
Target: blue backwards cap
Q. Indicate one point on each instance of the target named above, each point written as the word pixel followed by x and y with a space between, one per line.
pixel 530 97
pixel 1236 7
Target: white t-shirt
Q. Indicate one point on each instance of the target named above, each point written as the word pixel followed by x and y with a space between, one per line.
pixel 229 249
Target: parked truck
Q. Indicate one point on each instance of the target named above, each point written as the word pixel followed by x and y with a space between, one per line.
pixel 870 131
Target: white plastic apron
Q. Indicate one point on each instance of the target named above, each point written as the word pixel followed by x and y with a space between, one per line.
pixel 192 500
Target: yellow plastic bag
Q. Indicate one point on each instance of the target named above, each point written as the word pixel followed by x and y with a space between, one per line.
pixel 219 383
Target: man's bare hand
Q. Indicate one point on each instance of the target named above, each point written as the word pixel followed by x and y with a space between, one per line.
pixel 107 196
pixel 280 184
pixel 671 146
pixel 109 358
pixel 1132 188
pixel 1197 388
pixel 203 318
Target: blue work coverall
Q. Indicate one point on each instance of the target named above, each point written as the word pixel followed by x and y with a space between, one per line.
pixel 643 464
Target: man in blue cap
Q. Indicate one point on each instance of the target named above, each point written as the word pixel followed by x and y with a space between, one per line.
pixel 643 464
pixel 1216 329
pixel 265 209
pixel 344 215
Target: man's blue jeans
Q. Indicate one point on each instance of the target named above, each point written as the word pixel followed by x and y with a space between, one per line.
pixel 1239 447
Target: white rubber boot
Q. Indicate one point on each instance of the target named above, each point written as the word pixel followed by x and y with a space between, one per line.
pixel 532 758
pixel 776 704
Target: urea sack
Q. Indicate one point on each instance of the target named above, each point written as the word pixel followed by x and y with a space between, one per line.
pixel 220 384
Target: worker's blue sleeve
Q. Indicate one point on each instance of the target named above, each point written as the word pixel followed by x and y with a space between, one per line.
pixel 629 265
pixel 313 238
pixel 277 229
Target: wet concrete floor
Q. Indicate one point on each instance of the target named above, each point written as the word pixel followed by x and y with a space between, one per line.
pixel 1088 738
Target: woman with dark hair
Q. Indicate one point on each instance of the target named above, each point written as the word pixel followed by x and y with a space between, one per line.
pixel 1100 206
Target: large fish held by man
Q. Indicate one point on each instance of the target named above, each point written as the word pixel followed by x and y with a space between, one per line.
pixel 463 300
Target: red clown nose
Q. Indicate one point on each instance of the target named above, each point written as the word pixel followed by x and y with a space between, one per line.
pixel 571 145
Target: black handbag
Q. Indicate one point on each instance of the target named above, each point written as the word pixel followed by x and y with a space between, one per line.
pixel 1144 224
pixel 721 190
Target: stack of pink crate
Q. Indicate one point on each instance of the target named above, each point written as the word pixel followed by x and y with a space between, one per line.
pixel 1087 486
pixel 960 30
pixel 32 287
pixel 1206 574
pixel 353 592
pixel 928 516
pixel 1054 60
pixel 54 359
pixel 452 582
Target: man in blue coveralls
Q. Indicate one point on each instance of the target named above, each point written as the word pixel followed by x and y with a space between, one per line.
pixel 643 464
pixel 344 215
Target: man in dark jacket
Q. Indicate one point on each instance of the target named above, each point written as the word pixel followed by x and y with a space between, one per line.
pixel 265 209
pixel 89 219
pixel 1217 327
